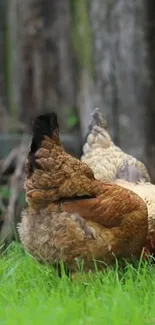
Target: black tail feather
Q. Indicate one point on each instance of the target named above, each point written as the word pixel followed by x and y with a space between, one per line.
pixel 44 125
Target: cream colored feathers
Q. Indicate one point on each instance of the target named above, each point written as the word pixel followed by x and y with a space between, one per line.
pixel 105 158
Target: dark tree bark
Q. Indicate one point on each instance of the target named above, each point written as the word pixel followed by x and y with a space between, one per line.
pixel 121 73
pixel 150 116
pixel 82 40
pixel 45 69
pixel 60 81
pixel 31 55
pixel 3 103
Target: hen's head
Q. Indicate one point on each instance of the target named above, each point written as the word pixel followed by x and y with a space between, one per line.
pixel 97 136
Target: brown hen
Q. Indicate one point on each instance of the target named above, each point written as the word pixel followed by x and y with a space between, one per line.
pixel 72 215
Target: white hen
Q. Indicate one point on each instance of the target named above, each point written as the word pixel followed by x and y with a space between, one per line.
pixel 105 158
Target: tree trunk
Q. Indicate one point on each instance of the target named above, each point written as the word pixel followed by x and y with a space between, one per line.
pixel 3 103
pixel 150 116
pixel 31 54
pixel 46 70
pixel 60 73
pixel 121 71
pixel 83 50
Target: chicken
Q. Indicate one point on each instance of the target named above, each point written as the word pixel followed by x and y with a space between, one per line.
pixel 72 215
pixel 110 163
pixel 146 191
pixel 105 158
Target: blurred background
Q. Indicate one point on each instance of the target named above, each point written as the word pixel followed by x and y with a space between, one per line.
pixel 71 56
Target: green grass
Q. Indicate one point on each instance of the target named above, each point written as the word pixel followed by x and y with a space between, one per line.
pixel 31 294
